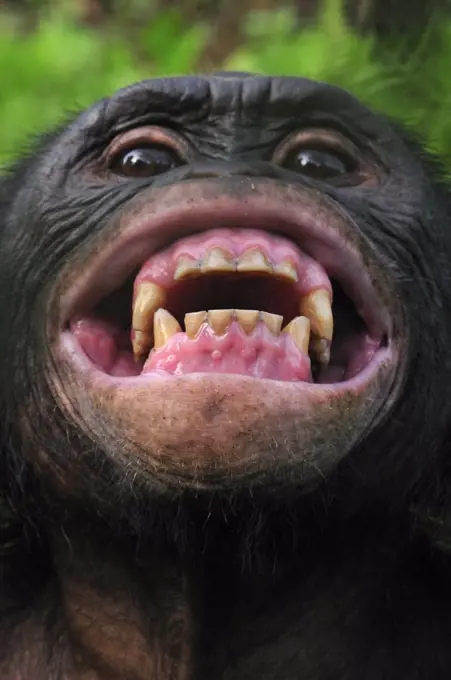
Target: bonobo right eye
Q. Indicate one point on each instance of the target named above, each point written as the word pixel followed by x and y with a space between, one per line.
pixel 144 161
pixel 146 152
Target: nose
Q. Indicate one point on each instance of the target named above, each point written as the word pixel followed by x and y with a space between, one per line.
pixel 219 169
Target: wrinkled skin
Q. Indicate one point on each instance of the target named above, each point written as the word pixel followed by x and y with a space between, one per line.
pixel 214 528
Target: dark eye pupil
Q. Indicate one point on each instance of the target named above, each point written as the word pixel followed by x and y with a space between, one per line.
pixel 318 164
pixel 144 162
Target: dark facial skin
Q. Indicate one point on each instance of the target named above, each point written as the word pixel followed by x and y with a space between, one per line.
pixel 222 526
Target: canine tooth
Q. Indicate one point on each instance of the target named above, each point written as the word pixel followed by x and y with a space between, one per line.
pixel 220 319
pixel 247 319
pixel 149 297
pixel 217 260
pixel 142 343
pixel 321 349
pixel 254 261
pixel 193 322
pixel 286 270
pixel 299 329
pixel 317 307
pixel 164 327
pixel 186 267
pixel 273 322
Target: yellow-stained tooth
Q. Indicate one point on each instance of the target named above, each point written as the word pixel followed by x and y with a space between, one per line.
pixel 142 343
pixel 273 322
pixel 217 260
pixel 193 323
pixel 149 297
pixel 220 319
pixel 247 319
pixel 254 261
pixel 299 329
pixel 286 270
pixel 164 327
pixel 317 307
pixel 186 267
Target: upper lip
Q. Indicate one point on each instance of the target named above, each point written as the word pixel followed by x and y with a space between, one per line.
pixel 148 232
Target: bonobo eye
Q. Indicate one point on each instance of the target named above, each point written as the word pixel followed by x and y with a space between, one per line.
pixel 146 152
pixel 318 163
pixel 142 161
pixel 320 154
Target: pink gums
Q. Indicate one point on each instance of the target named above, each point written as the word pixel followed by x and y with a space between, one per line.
pixel 106 347
pixel 160 268
pixel 259 355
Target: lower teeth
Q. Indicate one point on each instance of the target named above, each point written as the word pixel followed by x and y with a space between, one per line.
pixel 165 326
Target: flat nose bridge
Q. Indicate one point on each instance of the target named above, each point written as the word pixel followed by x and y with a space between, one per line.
pixel 218 169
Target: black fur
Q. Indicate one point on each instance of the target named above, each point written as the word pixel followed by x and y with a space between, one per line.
pixel 349 580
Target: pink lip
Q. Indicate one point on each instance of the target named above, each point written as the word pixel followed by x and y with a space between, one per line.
pixel 71 350
pixel 321 248
pixel 176 218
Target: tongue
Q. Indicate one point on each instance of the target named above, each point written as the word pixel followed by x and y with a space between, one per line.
pixel 259 355
pixel 107 347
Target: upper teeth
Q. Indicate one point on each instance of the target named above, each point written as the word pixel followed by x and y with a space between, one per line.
pixel 220 261
pixel 216 261
pixel 148 299
pixel 253 261
pixel 152 326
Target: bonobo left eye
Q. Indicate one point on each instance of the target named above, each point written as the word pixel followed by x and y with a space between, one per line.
pixel 320 164
pixel 146 152
pixel 321 154
pixel 143 161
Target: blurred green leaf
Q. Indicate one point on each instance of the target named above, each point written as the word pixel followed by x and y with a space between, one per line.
pixel 62 66
pixel 173 46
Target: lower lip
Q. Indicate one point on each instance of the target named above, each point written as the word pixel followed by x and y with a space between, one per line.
pixel 72 351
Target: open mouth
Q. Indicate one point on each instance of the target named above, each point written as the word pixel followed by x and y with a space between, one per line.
pixel 236 301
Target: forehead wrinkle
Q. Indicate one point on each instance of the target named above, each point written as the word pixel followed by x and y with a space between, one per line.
pixel 231 114
pixel 233 100
pixel 177 99
pixel 270 105
pixel 257 111
pixel 230 103
pixel 239 104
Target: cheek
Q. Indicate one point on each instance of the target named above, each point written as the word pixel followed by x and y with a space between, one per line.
pixel 205 433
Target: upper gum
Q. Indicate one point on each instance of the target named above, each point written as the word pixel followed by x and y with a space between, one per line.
pixel 235 244
pixel 160 268
pixel 227 254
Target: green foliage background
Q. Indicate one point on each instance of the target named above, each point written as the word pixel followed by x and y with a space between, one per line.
pixel 62 66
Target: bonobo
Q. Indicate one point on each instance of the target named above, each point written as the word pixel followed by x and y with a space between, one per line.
pixel 225 391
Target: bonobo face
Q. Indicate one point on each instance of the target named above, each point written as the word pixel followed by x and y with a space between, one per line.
pixel 215 275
